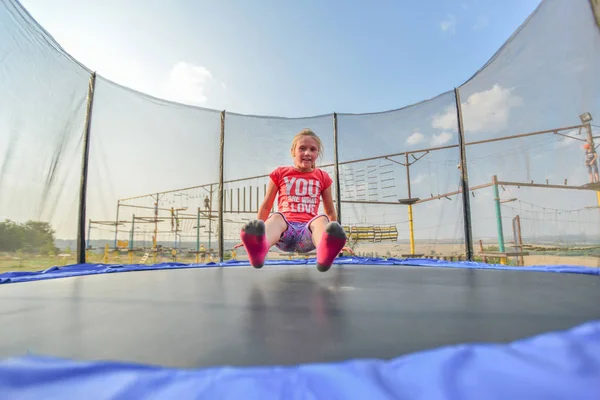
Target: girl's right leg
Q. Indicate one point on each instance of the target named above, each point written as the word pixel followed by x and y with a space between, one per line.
pixel 275 226
pixel 258 237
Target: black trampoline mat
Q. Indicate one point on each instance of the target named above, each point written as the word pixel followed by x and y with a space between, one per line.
pixel 283 315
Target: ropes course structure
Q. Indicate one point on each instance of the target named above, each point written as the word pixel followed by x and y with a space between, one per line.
pixel 185 220
pixel 163 222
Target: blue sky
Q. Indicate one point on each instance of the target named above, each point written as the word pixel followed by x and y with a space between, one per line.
pixel 284 58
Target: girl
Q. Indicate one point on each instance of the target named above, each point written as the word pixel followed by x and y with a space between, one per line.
pixel 297 227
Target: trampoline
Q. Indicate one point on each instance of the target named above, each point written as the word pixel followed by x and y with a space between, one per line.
pixel 368 328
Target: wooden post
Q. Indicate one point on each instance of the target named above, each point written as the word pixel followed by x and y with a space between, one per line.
pixel 411 226
pixel 481 249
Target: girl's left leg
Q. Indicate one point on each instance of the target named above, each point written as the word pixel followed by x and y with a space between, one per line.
pixel 329 239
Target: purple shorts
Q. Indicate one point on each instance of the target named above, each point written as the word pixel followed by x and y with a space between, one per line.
pixel 297 237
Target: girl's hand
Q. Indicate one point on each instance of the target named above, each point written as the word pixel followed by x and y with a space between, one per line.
pixel 240 244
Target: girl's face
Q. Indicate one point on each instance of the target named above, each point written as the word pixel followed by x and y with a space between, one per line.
pixel 306 153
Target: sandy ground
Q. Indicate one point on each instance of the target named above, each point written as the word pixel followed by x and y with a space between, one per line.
pixel 557 260
pixel 435 250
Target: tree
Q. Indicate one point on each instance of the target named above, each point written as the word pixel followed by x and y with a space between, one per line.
pixel 11 236
pixel 39 236
pixel 30 237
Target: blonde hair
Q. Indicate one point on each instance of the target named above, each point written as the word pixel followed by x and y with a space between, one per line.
pixel 310 133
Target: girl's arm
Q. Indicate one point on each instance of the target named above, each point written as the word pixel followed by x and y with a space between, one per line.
pixel 267 204
pixel 328 204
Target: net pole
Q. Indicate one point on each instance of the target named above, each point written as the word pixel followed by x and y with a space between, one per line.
pixel 84 171
pixel 221 160
pixel 337 169
pixel 464 180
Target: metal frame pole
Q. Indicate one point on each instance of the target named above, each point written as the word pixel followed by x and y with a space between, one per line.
pixel 221 160
pixel 386 156
pixel 337 169
pixel 81 257
pixel 117 223
pixel 464 181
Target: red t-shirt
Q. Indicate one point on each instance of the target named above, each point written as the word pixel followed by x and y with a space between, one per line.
pixel 299 193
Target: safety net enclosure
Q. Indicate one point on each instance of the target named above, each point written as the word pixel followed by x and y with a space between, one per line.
pixel 43 95
pixel 395 169
pixel 162 181
pixel 527 117
pixel 154 173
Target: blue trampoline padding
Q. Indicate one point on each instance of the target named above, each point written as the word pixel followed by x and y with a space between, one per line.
pixel 91 269
pixel 555 365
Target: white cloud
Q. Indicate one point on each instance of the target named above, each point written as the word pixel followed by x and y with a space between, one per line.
pixel 415 138
pixel 485 111
pixel 188 83
pixel 441 139
pixel 446 120
pixel 449 24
